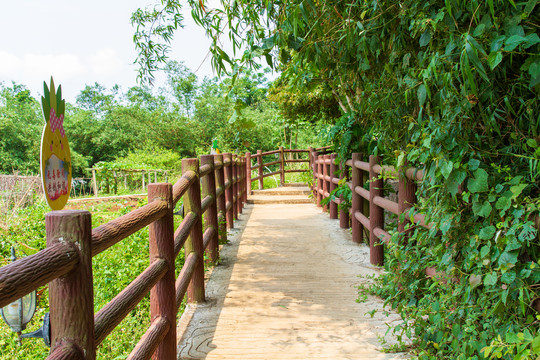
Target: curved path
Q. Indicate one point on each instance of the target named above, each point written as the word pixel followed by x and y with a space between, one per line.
pixel 286 288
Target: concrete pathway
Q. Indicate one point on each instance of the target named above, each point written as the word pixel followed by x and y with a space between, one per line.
pixel 286 288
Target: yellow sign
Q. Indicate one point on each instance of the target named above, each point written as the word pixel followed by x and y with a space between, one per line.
pixel 55 154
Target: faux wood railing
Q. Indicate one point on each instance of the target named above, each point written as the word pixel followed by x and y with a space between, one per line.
pixel 215 187
pixel 282 161
pixel 325 169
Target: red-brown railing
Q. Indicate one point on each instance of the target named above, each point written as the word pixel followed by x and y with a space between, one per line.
pixel 215 187
pixel 282 161
pixel 325 169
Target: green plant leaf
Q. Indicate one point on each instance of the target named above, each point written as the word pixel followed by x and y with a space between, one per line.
pixel 535 345
pixel 517 190
pixel 512 338
pixel 503 203
pixel 530 40
pixel 446 167
pixel 479 182
pixel 508 258
pixel 497 43
pixel 490 279
pixel 454 180
pixel 421 93
pixel 482 209
pixel 425 38
pixel 492 10
pixel 473 164
pixel 512 42
pixel 475 280
pixel 487 232
pixel 508 277
pixel 494 59
pixel 534 69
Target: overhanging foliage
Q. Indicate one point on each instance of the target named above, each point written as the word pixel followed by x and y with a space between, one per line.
pixel 451 86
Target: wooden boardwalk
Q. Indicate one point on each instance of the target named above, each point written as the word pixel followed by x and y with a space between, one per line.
pixel 286 289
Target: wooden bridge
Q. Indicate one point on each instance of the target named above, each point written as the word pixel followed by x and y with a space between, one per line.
pixel 286 286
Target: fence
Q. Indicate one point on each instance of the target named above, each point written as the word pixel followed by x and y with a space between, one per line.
pixel 215 187
pixel 109 181
pixel 325 181
pixel 16 190
pixel 282 162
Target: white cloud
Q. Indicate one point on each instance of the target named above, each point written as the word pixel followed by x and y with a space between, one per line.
pixel 9 64
pixel 106 62
pixel 63 66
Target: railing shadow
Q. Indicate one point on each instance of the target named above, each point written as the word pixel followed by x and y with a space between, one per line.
pixel 196 341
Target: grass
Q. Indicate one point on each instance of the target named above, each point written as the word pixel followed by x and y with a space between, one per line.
pixel 113 269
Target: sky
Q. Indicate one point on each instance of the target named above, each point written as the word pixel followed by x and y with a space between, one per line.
pixel 83 42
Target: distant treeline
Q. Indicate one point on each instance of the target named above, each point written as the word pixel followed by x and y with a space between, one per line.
pixel 182 118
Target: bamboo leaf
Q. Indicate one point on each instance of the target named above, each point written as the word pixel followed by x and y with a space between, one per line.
pixel 494 59
pixel 491 8
pixel 421 93
pixel 476 61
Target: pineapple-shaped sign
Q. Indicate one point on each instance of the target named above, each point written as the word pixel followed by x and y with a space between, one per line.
pixel 55 154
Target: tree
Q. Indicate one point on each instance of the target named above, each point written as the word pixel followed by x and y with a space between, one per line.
pixel 183 84
pixel 95 98
pixel 21 124
pixel 143 97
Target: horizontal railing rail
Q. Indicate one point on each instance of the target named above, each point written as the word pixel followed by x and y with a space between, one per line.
pixel 352 172
pixel 282 161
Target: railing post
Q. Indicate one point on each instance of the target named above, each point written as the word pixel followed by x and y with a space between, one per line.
pixel 162 295
pixel 71 297
pixel 235 186
pixel 320 159
pixel 194 243
pixel 333 170
pixel 227 157
pixel 260 168
pixel 221 205
pixel 243 183
pixel 357 201
pixel 281 166
pixel 248 175
pixel 310 149
pixel 143 182
pixel 325 182
pixel 211 219
pixel 344 219
pixel 376 214
pixel 314 158
pixel 310 157
pixel 243 177
pixel 247 190
pixel 406 200
pixel 94 181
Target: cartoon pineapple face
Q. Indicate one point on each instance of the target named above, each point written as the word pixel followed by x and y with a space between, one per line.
pixel 55 153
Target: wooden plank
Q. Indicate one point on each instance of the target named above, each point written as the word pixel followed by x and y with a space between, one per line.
pixel 287 294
